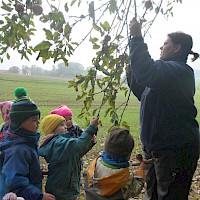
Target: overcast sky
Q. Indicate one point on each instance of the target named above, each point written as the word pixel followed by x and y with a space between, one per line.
pixel 186 19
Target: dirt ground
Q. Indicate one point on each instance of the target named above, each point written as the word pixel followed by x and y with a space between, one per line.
pixel 194 191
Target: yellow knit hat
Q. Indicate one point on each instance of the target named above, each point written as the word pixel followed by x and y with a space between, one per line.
pixel 50 123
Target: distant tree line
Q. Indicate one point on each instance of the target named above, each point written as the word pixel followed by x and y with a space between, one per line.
pixel 61 70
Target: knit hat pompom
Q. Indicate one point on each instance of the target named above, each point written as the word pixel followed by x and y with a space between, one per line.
pixel 119 143
pixel 63 111
pixel 50 123
pixel 20 92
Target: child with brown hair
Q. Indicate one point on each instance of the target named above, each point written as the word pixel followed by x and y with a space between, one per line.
pixel 63 153
pixel 109 176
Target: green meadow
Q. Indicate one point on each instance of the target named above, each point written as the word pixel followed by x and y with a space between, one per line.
pixel 48 93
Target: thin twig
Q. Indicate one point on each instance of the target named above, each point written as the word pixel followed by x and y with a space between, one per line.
pixel 125 106
pixel 135 6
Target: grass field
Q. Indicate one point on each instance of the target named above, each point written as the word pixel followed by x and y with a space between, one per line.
pixel 48 93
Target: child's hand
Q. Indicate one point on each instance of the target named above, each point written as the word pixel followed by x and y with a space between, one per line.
pixel 94 139
pixel 95 121
pixel 140 158
pixel 10 196
pixel 48 196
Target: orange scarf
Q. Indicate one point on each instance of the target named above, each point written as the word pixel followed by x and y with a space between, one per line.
pixel 107 185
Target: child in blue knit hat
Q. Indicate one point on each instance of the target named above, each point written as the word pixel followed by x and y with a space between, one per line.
pixel 19 164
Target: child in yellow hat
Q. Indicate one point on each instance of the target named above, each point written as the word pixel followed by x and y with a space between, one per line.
pixel 73 129
pixel 63 153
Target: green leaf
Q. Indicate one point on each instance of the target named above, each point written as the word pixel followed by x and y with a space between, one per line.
pixel 125 93
pixel 79 3
pixel 94 112
pixel 125 125
pixel 7 56
pixel 71 83
pixel 44 59
pixel 113 6
pixel 44 18
pixel 123 88
pixel 111 103
pixel 105 71
pixel 118 37
pixel 96 46
pixel 81 96
pixel 98 83
pixel 105 79
pixel 157 10
pixel 85 85
pixel 93 40
pixel 104 100
pixel 67 30
pixel 44 53
pixel 49 34
pixel 42 45
pixel 88 102
pixel 105 26
pixel 91 11
pixel 81 115
pixel 56 36
pixel 97 28
pixel 23 55
pixel 1 22
pixel 107 111
pixel 29 51
pixel 73 2
pixel 80 80
pixel 6 7
pixel 66 7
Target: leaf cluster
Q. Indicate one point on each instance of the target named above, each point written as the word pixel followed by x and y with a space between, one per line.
pixel 108 34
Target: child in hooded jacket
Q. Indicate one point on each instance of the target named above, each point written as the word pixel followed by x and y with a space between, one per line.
pixel 19 163
pixel 63 153
pixel 73 129
pixel 109 176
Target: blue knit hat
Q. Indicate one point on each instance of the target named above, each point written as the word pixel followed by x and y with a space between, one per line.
pixel 22 108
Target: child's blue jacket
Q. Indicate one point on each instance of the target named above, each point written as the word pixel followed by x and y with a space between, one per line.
pixel 19 164
pixel 63 154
